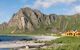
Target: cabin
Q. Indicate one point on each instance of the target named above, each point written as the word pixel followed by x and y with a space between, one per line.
pixel 77 33
pixel 71 33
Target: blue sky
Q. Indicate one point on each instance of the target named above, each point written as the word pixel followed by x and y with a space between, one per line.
pixel 66 7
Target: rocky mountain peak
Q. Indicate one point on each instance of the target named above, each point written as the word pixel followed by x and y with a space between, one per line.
pixel 28 19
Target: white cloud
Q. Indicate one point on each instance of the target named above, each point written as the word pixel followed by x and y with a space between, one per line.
pixel 49 3
pixel 74 10
pixel 77 9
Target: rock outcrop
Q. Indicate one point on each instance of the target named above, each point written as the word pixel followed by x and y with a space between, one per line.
pixel 28 19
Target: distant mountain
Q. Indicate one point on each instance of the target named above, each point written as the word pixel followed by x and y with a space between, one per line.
pixel 3 26
pixel 27 19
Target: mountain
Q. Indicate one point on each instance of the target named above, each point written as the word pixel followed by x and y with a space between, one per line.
pixel 27 19
pixel 3 26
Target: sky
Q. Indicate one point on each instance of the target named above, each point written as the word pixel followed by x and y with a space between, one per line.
pixel 61 7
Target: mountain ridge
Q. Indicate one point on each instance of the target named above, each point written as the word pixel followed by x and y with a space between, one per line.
pixel 28 19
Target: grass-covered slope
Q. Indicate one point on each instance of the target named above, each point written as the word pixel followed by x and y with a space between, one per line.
pixel 61 23
pixel 68 43
pixel 64 23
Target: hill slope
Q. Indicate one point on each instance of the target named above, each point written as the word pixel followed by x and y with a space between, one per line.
pixel 30 20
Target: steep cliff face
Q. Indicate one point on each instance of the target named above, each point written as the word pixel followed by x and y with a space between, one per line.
pixel 28 19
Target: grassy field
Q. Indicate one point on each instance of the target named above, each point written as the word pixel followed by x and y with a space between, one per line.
pixel 69 43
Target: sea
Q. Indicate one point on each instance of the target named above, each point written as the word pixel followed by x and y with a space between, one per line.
pixel 6 38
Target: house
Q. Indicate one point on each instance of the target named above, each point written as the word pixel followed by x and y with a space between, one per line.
pixel 77 33
pixel 71 33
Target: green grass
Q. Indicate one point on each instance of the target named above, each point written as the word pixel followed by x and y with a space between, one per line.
pixel 68 40
pixel 69 43
pixel 41 31
pixel 65 47
pixel 61 24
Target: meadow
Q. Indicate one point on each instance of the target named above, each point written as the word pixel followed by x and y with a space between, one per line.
pixel 69 43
